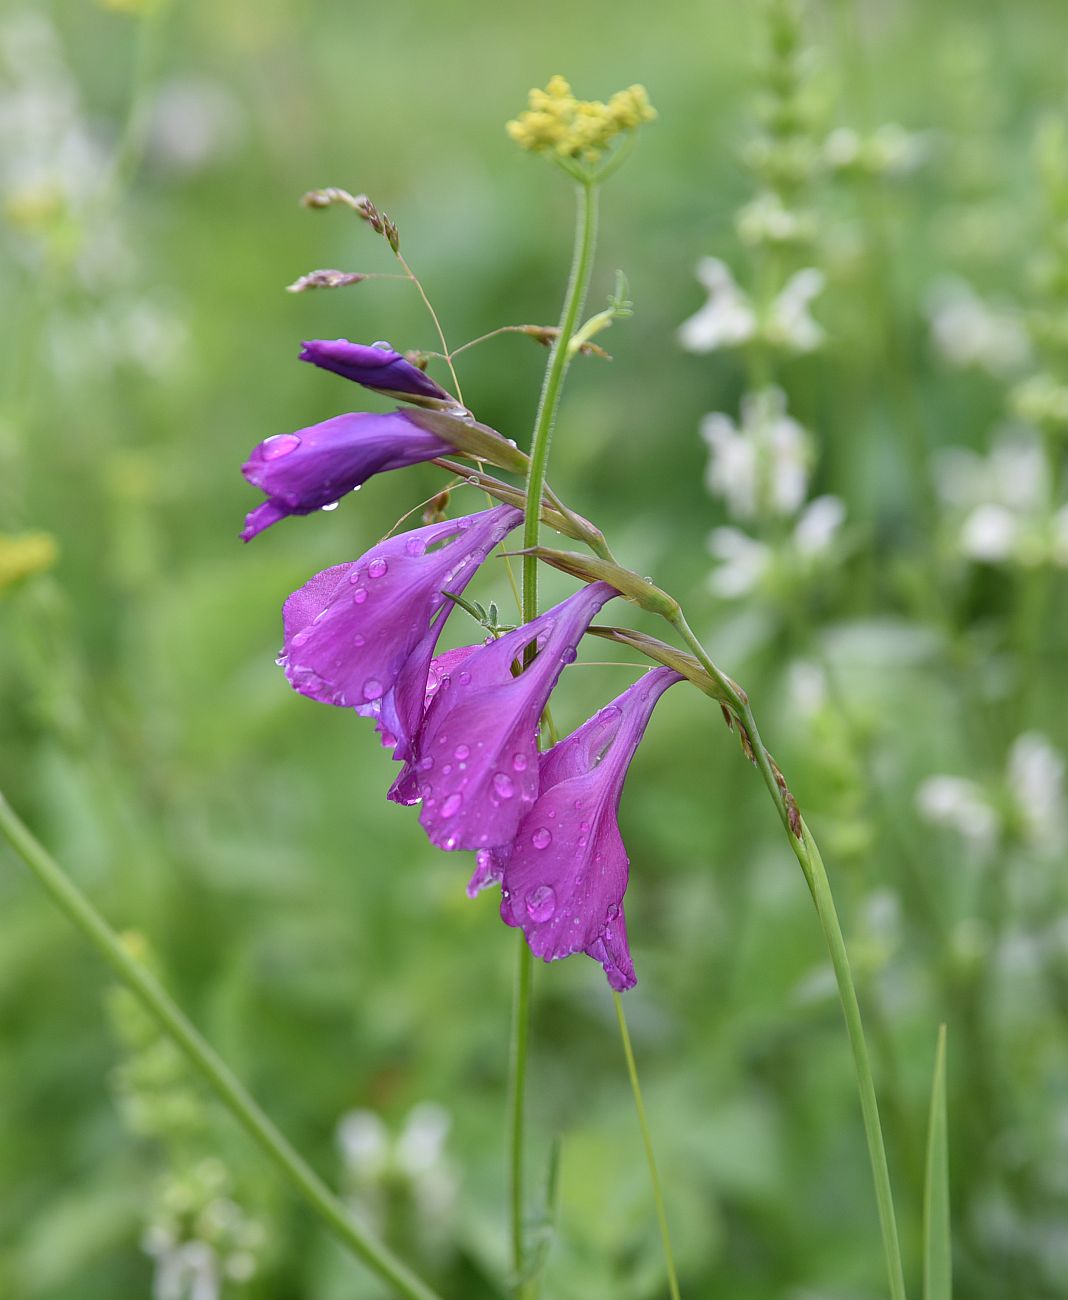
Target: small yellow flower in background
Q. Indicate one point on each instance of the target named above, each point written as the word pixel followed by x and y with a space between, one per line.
pixel 556 122
pixel 25 554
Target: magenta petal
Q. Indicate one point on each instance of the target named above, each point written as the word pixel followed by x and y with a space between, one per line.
pixel 362 635
pixel 314 467
pixel 476 759
pixel 566 874
pixel 374 367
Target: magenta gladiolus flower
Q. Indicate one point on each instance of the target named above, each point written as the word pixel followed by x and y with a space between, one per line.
pixel 475 765
pixel 314 467
pixel 564 876
pixel 377 367
pixel 362 635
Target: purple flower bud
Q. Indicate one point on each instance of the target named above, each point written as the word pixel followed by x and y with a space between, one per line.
pixel 374 367
pixel 564 876
pixel 476 759
pixel 312 468
pixel 362 635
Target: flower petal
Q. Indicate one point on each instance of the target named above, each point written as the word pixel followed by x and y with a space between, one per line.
pixel 372 366
pixel 476 756
pixel 314 467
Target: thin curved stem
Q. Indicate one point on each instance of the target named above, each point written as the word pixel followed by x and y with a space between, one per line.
pixel 434 317
pixel 647 1142
pixel 808 855
pixel 208 1065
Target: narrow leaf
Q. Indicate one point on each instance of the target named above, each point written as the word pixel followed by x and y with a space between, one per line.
pixel 937 1260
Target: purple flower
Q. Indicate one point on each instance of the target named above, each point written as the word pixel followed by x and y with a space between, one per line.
pixel 377 367
pixel 475 765
pixel 305 471
pixel 564 876
pixel 362 635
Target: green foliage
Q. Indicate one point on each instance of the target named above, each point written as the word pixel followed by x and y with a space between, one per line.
pixel 324 948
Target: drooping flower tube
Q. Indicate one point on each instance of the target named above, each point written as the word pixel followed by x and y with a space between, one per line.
pixel 312 468
pixel 475 765
pixel 564 876
pixel 375 366
pixel 362 635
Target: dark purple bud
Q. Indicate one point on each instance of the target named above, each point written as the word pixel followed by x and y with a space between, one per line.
pixel 564 876
pixel 376 367
pixel 362 635
pixel 476 758
pixel 312 468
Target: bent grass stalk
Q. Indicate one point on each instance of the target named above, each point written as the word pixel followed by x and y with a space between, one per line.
pixel 206 1062
pixel 647 1142
pixel 808 855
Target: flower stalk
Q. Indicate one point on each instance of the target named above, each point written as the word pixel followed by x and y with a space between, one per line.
pixel 549 402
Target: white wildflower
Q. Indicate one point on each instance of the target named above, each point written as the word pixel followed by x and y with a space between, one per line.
pixel 726 319
pixel 818 525
pixel 1035 780
pixel 741 565
pixel 999 504
pixel 767 220
pixel 730 318
pixel 967 331
pixel 989 534
pixel 762 466
pixel 789 322
pixel 958 804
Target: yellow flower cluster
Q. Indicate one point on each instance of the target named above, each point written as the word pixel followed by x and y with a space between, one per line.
pixel 557 122
pixel 23 555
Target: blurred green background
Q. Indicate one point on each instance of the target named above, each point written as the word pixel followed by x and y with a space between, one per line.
pixel 305 923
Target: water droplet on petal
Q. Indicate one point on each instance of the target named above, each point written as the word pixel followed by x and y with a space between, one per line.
pixel 280 445
pixel 302 637
pixel 542 837
pixel 451 806
pixel 333 505
pixel 461 751
pixel 415 546
pixel 425 764
pixel 377 568
pixel 541 903
pixel 372 689
pixel 612 913
pixel 519 763
pixel 465 677
pixel 382 345
pixel 357 640
pixel 584 826
pixel 569 656
pixel 359 595
pixel 502 783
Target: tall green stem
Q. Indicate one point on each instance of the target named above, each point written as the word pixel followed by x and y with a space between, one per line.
pixel 647 1141
pixel 552 386
pixel 549 402
pixel 808 855
pixel 206 1062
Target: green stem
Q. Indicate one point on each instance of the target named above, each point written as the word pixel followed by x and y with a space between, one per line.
pixel 552 386
pixel 808 855
pixel 520 1038
pixel 203 1058
pixel 647 1141
pixel 581 265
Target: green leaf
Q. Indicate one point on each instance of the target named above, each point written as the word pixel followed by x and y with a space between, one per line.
pixel 937 1255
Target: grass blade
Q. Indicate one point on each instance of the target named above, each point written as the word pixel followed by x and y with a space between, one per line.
pixel 937 1261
